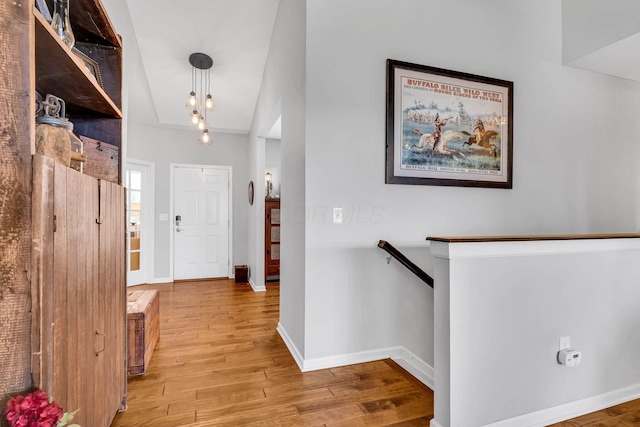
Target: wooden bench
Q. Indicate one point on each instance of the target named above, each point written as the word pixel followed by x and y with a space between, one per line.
pixel 143 329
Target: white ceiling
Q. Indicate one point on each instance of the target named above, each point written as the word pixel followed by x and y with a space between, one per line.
pixel 276 130
pixel 618 59
pixel 236 34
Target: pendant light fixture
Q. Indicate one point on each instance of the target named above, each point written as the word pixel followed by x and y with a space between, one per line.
pixel 198 102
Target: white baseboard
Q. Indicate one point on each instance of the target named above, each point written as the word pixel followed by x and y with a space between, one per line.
pixel 290 345
pixel 255 288
pixel 424 372
pixel 572 410
pixel 348 359
pixel 403 357
pixel 415 366
pixel 159 280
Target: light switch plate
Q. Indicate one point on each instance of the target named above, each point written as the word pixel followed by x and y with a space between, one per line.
pixel 337 215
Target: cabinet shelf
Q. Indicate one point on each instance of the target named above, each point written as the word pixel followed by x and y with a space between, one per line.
pixel 61 73
pixel 90 22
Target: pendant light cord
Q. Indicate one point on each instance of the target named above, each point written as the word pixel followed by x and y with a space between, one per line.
pixel 193 79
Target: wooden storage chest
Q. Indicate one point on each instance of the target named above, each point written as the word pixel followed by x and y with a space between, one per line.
pixel 143 329
pixel 242 274
pixel 102 159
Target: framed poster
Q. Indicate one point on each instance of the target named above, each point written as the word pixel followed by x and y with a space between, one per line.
pixel 448 128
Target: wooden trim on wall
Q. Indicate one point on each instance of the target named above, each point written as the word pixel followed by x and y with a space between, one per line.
pixel 534 237
pixel 42 262
pixel 16 141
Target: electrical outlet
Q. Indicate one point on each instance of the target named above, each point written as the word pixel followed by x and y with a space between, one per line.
pixel 565 342
pixel 337 215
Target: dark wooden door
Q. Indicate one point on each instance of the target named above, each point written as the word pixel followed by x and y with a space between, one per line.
pixel 272 238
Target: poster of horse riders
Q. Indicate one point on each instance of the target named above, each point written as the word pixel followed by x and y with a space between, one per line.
pixel 448 128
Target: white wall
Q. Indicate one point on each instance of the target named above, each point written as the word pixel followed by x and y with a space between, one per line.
pixel 272 163
pixel 602 36
pixel 504 307
pixel 138 107
pixel 589 25
pixel 164 146
pixel 575 156
pixel 282 93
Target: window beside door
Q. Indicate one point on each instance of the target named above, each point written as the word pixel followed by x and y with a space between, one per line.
pixel 134 208
pixel 139 217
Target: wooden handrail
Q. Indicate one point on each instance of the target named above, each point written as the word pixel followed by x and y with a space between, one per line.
pixel 388 247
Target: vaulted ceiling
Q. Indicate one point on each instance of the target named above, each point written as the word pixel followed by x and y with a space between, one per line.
pixel 236 34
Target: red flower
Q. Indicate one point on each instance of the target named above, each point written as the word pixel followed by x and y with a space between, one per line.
pixel 50 415
pixel 33 410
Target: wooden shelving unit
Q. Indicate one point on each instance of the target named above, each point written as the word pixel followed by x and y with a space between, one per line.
pixel 61 73
pixel 94 109
pixel 63 327
pixel 79 269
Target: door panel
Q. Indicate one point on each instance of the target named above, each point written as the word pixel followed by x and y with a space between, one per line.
pixel 212 208
pixel 190 210
pixel 190 251
pixel 212 253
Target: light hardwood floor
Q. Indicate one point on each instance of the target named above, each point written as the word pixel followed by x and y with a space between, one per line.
pixel 625 415
pixel 220 362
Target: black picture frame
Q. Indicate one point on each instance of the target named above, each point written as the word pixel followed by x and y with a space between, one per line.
pixel 474 114
pixel 91 66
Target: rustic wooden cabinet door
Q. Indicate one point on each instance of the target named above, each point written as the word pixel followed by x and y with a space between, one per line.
pixel 110 389
pixel 81 291
pixel 74 276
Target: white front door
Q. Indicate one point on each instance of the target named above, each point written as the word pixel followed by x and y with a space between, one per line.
pixel 201 222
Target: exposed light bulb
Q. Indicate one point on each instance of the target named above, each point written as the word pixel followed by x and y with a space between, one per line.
pixel 61 24
pixel 198 103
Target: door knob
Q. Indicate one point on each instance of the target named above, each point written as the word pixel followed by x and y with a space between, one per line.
pixel 178 229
